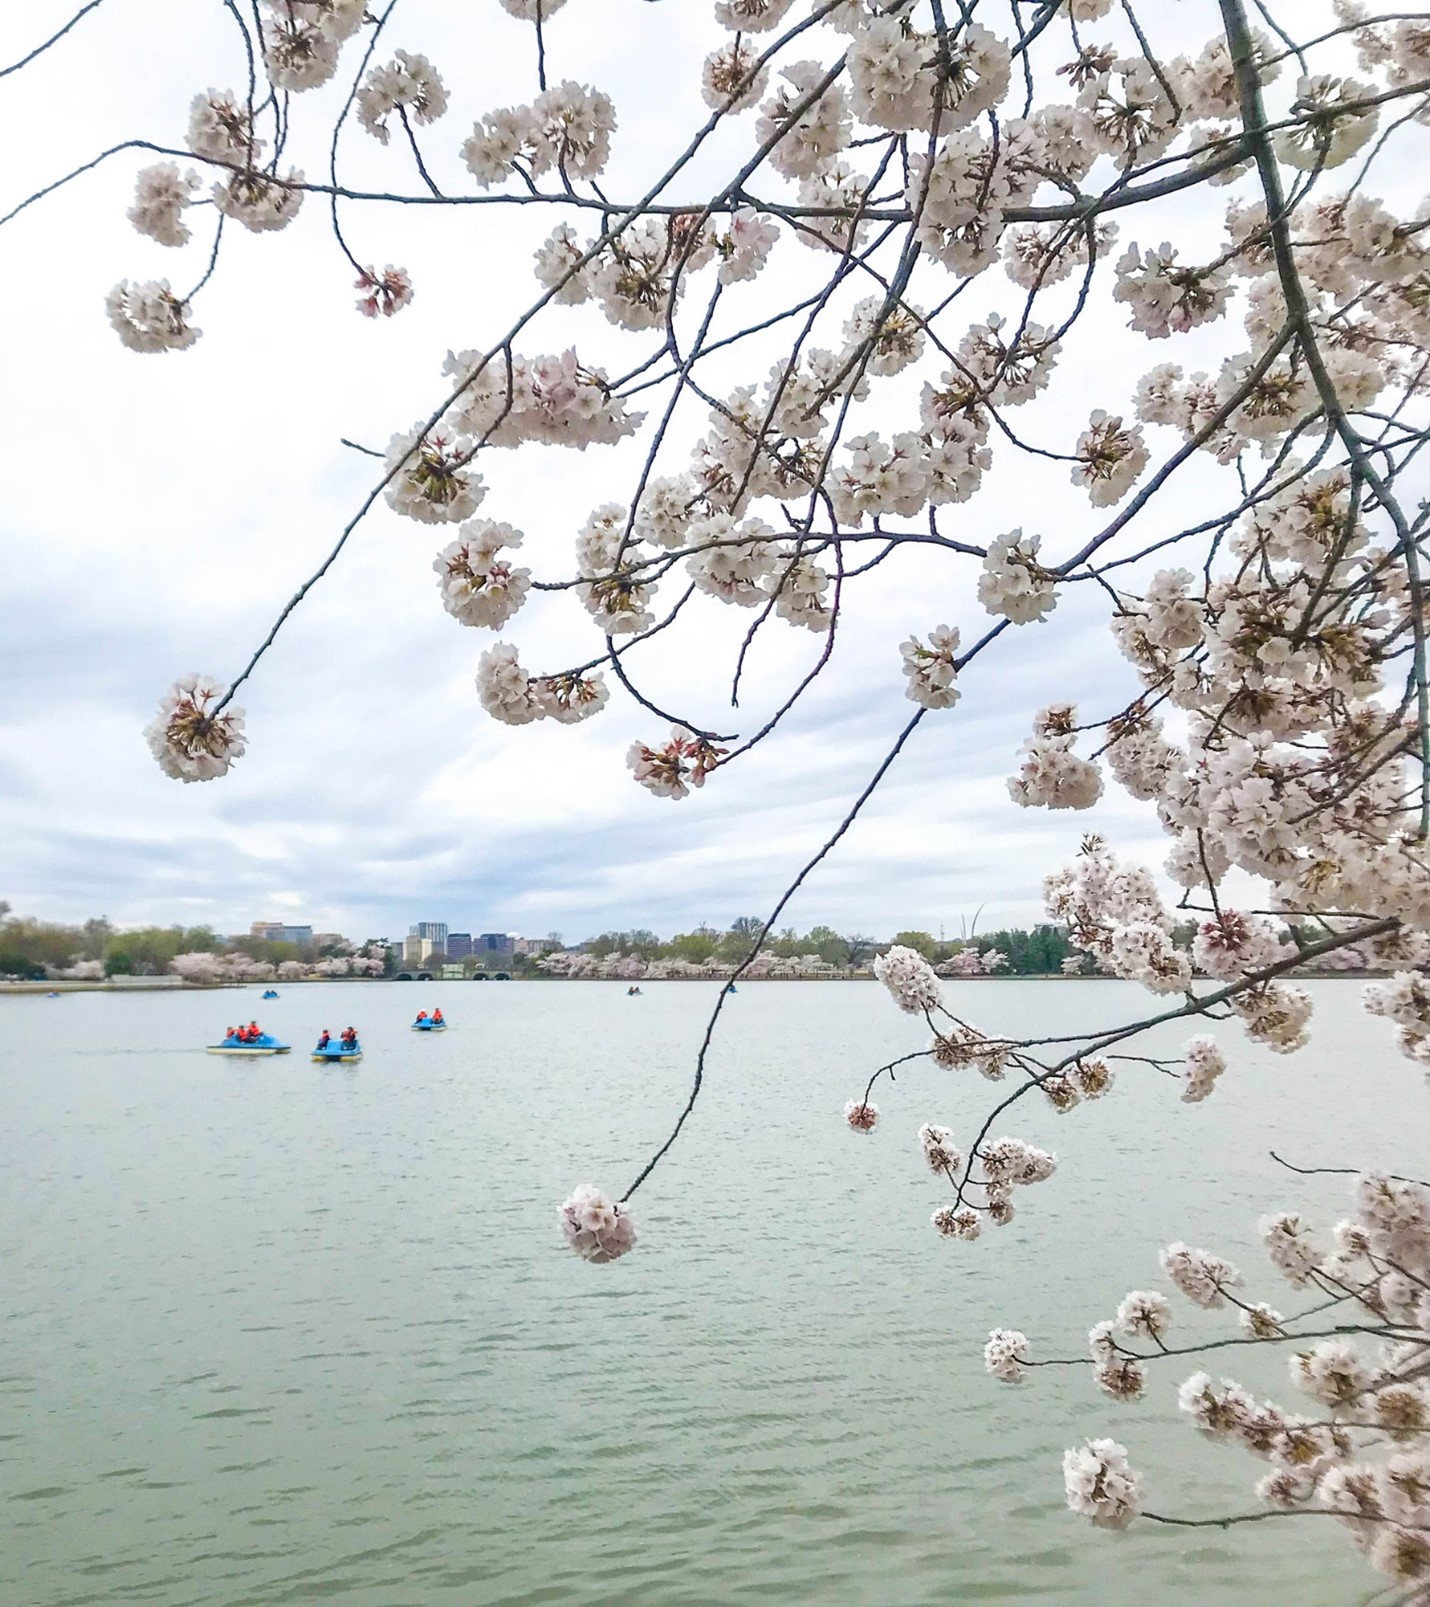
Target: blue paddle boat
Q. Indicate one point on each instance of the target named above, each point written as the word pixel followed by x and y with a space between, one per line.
pixel 425 1023
pixel 271 993
pixel 264 1044
pixel 338 1050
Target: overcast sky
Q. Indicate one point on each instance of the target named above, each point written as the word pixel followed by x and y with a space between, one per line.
pixel 158 510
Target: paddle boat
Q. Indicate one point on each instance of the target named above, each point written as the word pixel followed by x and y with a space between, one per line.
pixel 264 1044
pixel 633 993
pixel 336 1049
pixel 271 993
pixel 426 1023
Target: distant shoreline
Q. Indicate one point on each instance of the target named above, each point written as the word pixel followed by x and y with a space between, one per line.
pixel 173 984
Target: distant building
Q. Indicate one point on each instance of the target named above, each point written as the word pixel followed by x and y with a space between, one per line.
pixel 495 943
pixel 277 932
pixel 329 940
pixel 459 945
pixel 435 932
pixel 412 950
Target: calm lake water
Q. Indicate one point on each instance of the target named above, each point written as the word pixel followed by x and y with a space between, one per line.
pixel 272 1332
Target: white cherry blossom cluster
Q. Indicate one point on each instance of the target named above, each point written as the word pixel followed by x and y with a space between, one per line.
pixel 611 589
pixel 595 1227
pixel 799 587
pixel 1052 776
pixel 1331 128
pixel 409 85
pixel 149 317
pixel 568 127
pixel 1276 1014
pixel 898 75
pixel 1116 913
pixel 1204 1062
pixel 996 1168
pixel 303 39
pixel 556 399
pixel 893 337
pixel 737 560
pixel 1231 945
pixel 1014 584
pixel 751 16
pixel 1142 761
pixel 1006 371
pixel 384 293
pixel 941 1155
pixel 161 194
pixel 959 1045
pixel 910 980
pixel 1204 1278
pixel 963 192
pixel 1005 1353
pixel 221 128
pixel 679 764
pixel 880 479
pixel 932 669
pixel 1405 1000
pixel 479 587
pixel 1101 1485
pixel 861 1116
pixel 261 202
pixel 430 478
pixel 1165 297
pixel 1111 458
pixel 732 78
pixel 512 696
pixel 190 737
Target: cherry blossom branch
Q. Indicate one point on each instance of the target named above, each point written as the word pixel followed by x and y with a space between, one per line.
pixel 825 849
pixel 54 39
pixel 1340 1171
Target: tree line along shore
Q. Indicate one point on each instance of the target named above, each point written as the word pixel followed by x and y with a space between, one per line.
pixel 39 955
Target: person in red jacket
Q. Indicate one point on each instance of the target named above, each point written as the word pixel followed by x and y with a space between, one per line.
pixel 324 1040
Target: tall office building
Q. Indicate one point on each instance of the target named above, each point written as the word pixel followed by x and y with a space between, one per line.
pixel 459 945
pixel 277 932
pixel 496 943
pixel 433 932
